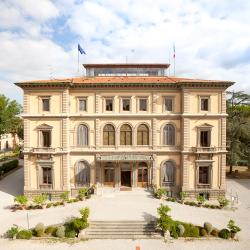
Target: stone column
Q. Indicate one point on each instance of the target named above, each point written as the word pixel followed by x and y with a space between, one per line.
pixel 154 169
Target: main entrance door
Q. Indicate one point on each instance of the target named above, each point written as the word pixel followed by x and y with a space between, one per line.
pixel 142 175
pixel 126 178
pixel 109 176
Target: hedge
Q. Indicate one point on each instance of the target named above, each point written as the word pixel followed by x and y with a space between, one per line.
pixel 8 166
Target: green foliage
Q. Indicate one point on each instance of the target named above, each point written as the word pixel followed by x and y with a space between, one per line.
pixel 84 213
pixel 77 224
pixel 215 232
pixel 181 230
pixel 232 227
pixel 8 166
pixel 65 196
pixel 183 195
pixel 190 203
pixel 172 199
pixel 12 232
pixel 60 232
pixel 70 233
pixel 51 230
pixel 200 199
pixel 82 193
pixel 208 227
pixel 159 193
pixel 223 201
pixel 190 230
pixel 49 205
pixel 224 233
pixel 165 221
pixel 40 199
pixel 174 232
pixel 24 234
pixel 21 199
pixel 203 232
pixel 39 229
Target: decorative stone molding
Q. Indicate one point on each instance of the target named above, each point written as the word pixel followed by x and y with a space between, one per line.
pixel 65 101
pixel 26 102
pixel 185 101
pixel 26 166
pixel 65 170
pixel 97 103
pixel 185 171
pixel 223 133
pixel 223 102
pixel 154 106
pixel 154 132
pixel 26 133
pixel 186 132
pixel 223 172
pixel 97 133
pixel 154 169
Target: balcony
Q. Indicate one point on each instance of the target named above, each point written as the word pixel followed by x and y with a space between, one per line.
pixel 45 186
pixel 43 150
pixel 203 186
pixel 200 150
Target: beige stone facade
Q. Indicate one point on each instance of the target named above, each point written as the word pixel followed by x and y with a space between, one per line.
pixel 125 130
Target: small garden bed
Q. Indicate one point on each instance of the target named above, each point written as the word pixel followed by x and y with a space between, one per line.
pixel 70 229
pixel 42 202
pixel 175 229
pixel 161 193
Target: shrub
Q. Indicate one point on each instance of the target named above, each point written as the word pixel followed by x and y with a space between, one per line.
pixel 70 233
pixel 40 199
pixel 183 195
pixel 208 227
pixel 232 227
pixel 159 193
pixel 77 224
pixel 49 205
pixel 65 196
pixel 39 229
pixel 174 230
pixel 75 200
pixel 8 166
pixel 190 230
pixel 51 230
pixel 215 232
pixel 200 199
pixel 60 232
pixel 82 193
pixel 12 232
pixel 203 232
pixel 181 230
pixel 165 221
pixel 85 213
pixel 224 233
pixel 21 199
pixel 223 201
pixel 24 234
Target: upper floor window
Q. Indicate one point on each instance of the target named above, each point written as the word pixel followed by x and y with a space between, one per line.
pixel 126 135
pixel 168 103
pixel 205 138
pixel 82 174
pixel 82 104
pixel 143 104
pixel 45 104
pixel 44 135
pixel 109 135
pixel 143 135
pixel 82 135
pixel 125 104
pixel 109 104
pixel 168 173
pixel 204 103
pixel 169 134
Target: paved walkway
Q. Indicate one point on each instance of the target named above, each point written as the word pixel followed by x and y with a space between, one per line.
pixel 125 206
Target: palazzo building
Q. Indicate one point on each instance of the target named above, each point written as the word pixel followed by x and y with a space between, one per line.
pixel 125 126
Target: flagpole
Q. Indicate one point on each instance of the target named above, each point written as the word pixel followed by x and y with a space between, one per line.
pixel 78 61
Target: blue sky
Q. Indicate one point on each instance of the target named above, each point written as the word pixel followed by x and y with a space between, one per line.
pixel 38 39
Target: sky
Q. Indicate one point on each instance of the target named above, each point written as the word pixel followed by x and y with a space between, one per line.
pixel 38 39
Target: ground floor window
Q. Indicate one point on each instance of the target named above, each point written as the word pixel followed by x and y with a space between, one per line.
pixel 204 174
pixel 47 176
pixel 82 174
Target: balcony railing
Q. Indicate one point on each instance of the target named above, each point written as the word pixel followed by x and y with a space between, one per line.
pixel 205 149
pixel 46 186
pixel 203 186
pixel 39 150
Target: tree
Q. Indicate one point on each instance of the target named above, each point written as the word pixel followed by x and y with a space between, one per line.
pixel 10 121
pixel 238 128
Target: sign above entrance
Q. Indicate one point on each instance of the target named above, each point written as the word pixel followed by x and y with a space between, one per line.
pixel 125 157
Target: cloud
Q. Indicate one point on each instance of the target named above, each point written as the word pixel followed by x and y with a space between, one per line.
pixel 38 39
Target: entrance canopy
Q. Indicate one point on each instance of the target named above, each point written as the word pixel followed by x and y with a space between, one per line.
pixel 124 157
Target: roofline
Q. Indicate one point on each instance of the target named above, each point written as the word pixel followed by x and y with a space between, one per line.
pixel 126 65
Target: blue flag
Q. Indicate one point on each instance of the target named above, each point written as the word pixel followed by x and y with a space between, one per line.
pixel 80 49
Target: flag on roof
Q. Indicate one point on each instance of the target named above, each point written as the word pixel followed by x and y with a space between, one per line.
pixel 80 49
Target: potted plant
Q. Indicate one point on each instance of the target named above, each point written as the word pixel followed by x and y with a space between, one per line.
pixel 40 200
pixel 65 197
pixel 21 200
pixel 233 228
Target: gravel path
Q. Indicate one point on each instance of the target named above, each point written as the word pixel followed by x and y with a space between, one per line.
pixel 124 206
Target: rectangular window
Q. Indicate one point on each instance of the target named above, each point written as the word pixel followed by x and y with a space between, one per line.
pixel 46 138
pixel 143 104
pixel 125 104
pixel 45 104
pixel 109 104
pixel 47 176
pixel 168 104
pixel 204 175
pixel 205 138
pixel 204 103
pixel 82 104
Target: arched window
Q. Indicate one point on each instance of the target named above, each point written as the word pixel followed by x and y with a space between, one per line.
pixel 82 174
pixel 109 135
pixel 126 135
pixel 143 135
pixel 82 135
pixel 168 173
pixel 169 134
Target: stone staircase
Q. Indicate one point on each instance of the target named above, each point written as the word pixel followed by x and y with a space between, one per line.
pixel 122 230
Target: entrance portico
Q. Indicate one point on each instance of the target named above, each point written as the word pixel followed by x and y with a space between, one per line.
pixel 124 170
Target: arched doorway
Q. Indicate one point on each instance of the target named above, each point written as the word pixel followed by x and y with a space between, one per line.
pixel 82 174
pixel 142 175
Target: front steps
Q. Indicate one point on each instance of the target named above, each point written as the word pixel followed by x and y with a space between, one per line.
pixel 122 230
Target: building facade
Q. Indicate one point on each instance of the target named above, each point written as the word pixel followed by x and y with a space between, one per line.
pixel 125 126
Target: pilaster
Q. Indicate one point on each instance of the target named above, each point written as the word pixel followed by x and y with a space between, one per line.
pixel 26 169
pixel 26 133
pixel 154 132
pixel 154 169
pixel 26 102
pixel 185 101
pixel 223 103
pixel 97 103
pixel 65 101
pixel 97 133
